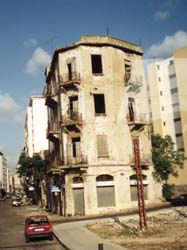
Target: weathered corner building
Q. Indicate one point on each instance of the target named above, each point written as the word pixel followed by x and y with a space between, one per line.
pixel 97 104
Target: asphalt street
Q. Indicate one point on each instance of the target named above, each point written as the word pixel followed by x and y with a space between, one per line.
pixel 12 230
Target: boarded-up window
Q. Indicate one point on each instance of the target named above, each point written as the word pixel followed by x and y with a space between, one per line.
pixel 105 191
pixel 133 187
pixel 102 146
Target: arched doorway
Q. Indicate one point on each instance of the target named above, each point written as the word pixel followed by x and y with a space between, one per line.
pixel 105 190
pixel 78 194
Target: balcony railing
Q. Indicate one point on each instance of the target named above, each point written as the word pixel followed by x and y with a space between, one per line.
pixel 67 80
pixel 133 79
pixel 52 131
pixel 73 118
pixel 51 99
pixel 78 160
pixel 145 159
pixel 137 118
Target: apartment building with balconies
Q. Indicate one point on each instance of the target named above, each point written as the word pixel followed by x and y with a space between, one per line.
pixel 168 91
pixel 97 106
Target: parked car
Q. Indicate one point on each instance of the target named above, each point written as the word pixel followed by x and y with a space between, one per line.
pixel 16 202
pixel 2 198
pixel 180 200
pixel 38 226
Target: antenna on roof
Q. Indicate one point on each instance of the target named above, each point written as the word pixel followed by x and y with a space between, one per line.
pixel 107 31
pixel 139 41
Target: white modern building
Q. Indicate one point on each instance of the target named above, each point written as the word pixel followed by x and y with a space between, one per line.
pixel 36 126
pixel 168 98
pixel 3 172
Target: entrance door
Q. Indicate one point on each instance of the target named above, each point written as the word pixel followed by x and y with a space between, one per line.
pixel 79 201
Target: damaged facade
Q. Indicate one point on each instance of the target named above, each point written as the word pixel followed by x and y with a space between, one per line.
pixel 97 104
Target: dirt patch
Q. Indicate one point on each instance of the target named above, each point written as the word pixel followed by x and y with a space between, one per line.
pixel 165 231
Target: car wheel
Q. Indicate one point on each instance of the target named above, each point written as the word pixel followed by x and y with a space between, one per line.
pixel 27 239
pixel 51 237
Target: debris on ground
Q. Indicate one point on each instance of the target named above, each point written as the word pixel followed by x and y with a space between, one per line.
pixel 166 230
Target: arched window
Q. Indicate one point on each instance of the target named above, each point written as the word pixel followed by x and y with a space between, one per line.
pixel 105 190
pixel 133 187
pixel 77 179
pixel 104 177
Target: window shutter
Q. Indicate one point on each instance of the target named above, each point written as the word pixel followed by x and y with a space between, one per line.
pixel 102 146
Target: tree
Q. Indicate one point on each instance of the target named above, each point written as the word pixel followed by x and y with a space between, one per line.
pixel 166 162
pixel 32 171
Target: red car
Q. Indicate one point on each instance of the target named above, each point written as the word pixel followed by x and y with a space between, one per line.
pixel 38 226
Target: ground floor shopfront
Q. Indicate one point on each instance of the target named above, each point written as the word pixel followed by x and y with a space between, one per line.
pixel 99 190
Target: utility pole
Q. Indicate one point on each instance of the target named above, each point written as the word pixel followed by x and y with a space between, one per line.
pixel 141 204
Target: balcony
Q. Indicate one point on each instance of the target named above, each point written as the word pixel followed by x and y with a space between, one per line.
pixel 133 80
pixel 70 80
pixel 80 161
pixel 51 100
pixel 52 131
pixel 74 118
pixel 137 120
pixel 145 159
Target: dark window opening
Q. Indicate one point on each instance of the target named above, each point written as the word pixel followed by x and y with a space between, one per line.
pixel 171 62
pixel 99 103
pixel 127 71
pixel 104 177
pixel 181 149
pixel 96 64
pixel 177 119
pixel 131 108
pixel 172 76
pixel 75 146
pixel 173 91
pixel 178 135
pixel 77 179
pixel 69 71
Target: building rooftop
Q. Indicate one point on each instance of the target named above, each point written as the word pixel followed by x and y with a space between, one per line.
pixel 91 40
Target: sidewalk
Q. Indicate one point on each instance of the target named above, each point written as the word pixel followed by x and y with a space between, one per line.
pixel 74 235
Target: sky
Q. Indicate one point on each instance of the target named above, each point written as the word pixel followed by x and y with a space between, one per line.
pixel 31 30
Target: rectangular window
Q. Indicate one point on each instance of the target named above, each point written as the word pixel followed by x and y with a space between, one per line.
pixel 158 66
pixel 172 76
pixel 175 104
pixel 96 64
pixel 171 62
pixel 159 79
pixel 177 119
pixel 173 91
pixel 99 103
pixel 160 92
pixel 179 135
pixel 102 146
pixel 127 72
pixel 76 146
pixel 69 71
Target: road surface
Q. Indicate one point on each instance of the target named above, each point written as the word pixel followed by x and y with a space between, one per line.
pixel 12 231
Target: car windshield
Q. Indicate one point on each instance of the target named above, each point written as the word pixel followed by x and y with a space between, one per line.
pixel 37 221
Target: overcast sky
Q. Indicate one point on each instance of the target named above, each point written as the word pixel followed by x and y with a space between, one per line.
pixel 30 30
